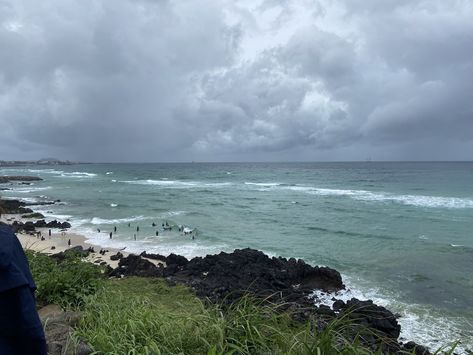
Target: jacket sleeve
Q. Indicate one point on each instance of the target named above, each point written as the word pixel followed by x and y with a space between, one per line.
pixel 6 247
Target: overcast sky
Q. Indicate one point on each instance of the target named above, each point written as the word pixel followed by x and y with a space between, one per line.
pixel 234 80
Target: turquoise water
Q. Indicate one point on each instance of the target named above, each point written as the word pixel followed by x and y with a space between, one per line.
pixel 400 233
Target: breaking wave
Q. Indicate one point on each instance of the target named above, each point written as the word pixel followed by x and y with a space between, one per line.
pixel 78 174
pixel 97 220
pixel 176 183
pixel 364 195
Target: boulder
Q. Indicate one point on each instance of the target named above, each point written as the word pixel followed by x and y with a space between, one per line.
pixel 135 265
pixel 370 315
pixel 58 329
pixel 71 251
pixel 117 256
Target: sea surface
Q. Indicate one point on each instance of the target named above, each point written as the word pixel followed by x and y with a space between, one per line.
pixel 400 233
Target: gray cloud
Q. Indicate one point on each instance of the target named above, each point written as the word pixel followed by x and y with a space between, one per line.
pixel 211 80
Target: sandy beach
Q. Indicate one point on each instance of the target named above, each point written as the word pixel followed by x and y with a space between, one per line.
pixel 58 242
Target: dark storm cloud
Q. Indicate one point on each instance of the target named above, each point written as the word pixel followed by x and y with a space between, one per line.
pixel 268 80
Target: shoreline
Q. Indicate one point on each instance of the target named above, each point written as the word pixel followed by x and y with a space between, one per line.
pixel 59 243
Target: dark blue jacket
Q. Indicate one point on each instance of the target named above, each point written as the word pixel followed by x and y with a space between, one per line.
pixel 14 268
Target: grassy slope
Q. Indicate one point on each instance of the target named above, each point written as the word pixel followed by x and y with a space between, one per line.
pixel 147 316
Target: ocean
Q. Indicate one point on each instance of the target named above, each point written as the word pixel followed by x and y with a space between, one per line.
pixel 400 233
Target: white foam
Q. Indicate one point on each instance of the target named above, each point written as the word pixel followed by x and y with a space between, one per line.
pixel 114 180
pixel 44 171
pixel 29 189
pixel 78 174
pixel 97 220
pixel 364 195
pixel 171 214
pixel 418 323
pixel 176 183
pixel 109 173
pixel 264 184
pixel 163 245
pixel 113 205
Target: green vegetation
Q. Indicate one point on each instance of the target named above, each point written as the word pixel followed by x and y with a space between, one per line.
pixel 147 316
pixel 66 284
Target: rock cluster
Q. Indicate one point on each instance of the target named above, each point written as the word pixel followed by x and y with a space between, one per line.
pixel 31 226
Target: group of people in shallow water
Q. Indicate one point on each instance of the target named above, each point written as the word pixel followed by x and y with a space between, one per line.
pixel 165 225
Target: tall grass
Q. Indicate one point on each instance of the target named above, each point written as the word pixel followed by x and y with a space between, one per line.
pixel 145 316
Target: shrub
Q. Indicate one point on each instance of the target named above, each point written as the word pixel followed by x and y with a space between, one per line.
pixel 67 283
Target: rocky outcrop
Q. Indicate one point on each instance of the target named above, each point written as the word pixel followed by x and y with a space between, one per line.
pixel 5 179
pixel 227 276
pixel 14 206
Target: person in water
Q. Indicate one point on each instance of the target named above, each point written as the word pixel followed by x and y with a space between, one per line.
pixel 21 331
pixel 111 235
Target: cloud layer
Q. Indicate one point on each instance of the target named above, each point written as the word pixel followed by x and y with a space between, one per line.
pixel 138 80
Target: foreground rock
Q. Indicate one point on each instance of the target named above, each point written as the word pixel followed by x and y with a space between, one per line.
pixel 58 329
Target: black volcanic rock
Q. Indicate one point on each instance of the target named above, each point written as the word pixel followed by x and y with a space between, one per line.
pixel 117 256
pixel 77 250
pixel 153 256
pixel 4 179
pixel 14 206
pixel 30 226
pixel 370 315
pixel 135 265
pixel 227 276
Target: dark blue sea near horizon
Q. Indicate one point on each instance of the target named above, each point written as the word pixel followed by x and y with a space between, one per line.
pixel 400 233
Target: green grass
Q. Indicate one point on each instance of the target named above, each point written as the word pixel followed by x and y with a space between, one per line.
pixel 66 284
pixel 145 316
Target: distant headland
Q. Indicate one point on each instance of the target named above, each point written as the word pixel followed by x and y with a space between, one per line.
pixel 43 161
